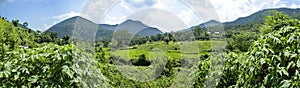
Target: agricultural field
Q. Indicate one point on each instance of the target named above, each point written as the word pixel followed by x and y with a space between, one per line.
pixel 172 50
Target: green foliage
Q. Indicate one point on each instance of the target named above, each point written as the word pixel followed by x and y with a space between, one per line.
pixel 48 66
pixel 15 37
pixel 15 23
pixel 141 61
pixel 25 24
pixel 276 22
pixel 272 60
pixel 241 41
pixel 203 70
pixel 200 34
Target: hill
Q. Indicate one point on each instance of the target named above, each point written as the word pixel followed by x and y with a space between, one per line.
pixel 103 31
pixel 138 28
pixel 210 23
pixel 255 18
pixel 259 16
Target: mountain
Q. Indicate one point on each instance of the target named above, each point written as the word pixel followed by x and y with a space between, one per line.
pixel 66 27
pixel 149 31
pixel 105 31
pixel 204 26
pixel 259 16
pixel 211 23
pixel 253 19
pixel 87 29
pixel 138 28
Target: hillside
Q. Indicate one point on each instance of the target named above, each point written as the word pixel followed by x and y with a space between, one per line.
pixel 255 18
pixel 259 16
pixel 104 31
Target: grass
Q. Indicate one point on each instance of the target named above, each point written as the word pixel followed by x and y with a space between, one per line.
pixel 172 50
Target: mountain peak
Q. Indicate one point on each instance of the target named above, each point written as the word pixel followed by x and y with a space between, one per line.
pixel 77 17
pixel 132 21
pixel 212 21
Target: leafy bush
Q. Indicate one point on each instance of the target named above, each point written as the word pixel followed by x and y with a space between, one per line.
pixel 272 61
pixel 141 61
pixel 48 66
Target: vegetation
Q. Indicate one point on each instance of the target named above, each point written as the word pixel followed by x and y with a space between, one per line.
pixel 48 66
pixel 272 60
pixel 257 55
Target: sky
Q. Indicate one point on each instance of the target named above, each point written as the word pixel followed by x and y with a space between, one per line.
pixel 42 14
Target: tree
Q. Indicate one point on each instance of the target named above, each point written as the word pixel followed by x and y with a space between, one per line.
pixel 273 60
pixel 141 61
pixel 241 41
pixel 15 23
pixel 197 31
pixel 25 24
pixel 167 39
pixel 275 22
pixel 65 40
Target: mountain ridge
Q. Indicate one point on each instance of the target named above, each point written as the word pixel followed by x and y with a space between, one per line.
pixel 257 17
pixel 135 26
pixel 103 31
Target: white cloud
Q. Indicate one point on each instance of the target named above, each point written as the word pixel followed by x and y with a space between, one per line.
pixel 160 5
pixel 230 10
pixel 125 5
pixel 164 20
pixel 114 19
pixel 187 16
pixel 282 5
pixel 66 15
pixel 294 6
pixel 56 19
pixel 227 10
pixel 95 9
pixel 179 9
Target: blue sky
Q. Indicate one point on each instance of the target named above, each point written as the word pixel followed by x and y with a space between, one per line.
pixel 42 14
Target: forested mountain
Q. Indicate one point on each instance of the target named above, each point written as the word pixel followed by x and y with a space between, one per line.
pixel 138 28
pixel 66 27
pixel 259 16
pixel 251 20
pixel 204 25
pixel 104 31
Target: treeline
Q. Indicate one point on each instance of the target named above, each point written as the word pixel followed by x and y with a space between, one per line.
pixel 240 37
pixel 166 37
pixel 196 34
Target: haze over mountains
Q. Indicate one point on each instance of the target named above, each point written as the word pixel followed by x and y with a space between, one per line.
pixel 105 31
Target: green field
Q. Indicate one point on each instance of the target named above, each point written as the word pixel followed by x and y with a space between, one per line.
pixel 171 50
